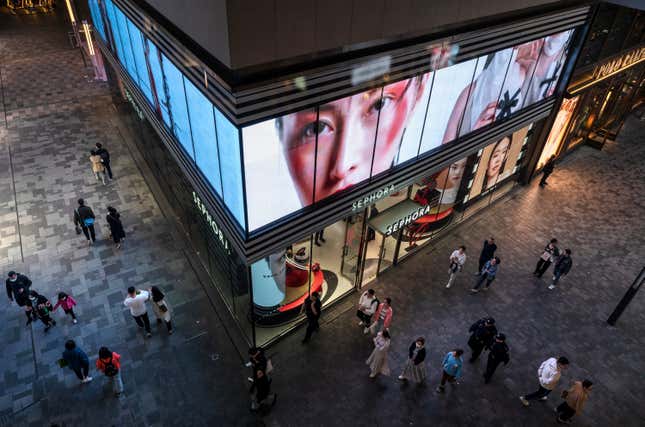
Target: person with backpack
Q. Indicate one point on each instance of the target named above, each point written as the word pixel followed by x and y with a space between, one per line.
pixel 116 226
pixel 366 307
pixel 482 336
pixel 561 268
pixel 41 308
pixel 84 218
pixel 109 362
pixel 105 158
pixel 499 353
pixel 77 361
pixel 97 166
pixel 18 290
pixel 68 303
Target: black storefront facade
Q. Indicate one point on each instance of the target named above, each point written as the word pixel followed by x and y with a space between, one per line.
pixel 321 179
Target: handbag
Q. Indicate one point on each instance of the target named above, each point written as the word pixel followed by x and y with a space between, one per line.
pixel 546 256
pixel 454 267
pixel 78 229
pixel 163 307
pixel 88 221
pixel 62 363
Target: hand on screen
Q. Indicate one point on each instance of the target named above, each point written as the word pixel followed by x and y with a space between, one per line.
pixel 487 116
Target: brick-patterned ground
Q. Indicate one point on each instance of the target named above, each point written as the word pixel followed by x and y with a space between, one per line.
pixel 594 204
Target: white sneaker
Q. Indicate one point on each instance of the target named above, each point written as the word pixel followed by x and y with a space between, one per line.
pixel 524 401
pixel 551 287
pixel 248 364
pixel 448 285
pixel 74 321
pixel 543 398
pixel 360 323
pixel 366 330
pixel 86 380
pixel 401 377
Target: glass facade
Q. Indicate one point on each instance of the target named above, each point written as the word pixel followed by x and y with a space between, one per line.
pixel 207 137
pixel 269 170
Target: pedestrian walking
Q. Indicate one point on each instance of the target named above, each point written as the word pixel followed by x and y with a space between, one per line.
pixel 415 368
pixel 116 226
pixel 547 170
pixel 482 336
pixel 451 369
pixel 312 307
pixel 561 268
pixel 18 290
pixel 160 307
pixel 41 308
pixel 77 361
pixel 67 303
pixel 367 305
pixel 105 158
pixel 382 318
pixel 574 400
pixel 109 362
pixel 84 218
pixel 457 261
pixel 262 387
pixel 257 361
pixel 378 359
pixel 97 166
pixel 551 252
pixel 549 374
pixel 499 353
pixel 136 302
pixel 487 274
pixel 487 253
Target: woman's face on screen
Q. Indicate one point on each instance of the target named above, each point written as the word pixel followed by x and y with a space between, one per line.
pixel 497 158
pixel 346 131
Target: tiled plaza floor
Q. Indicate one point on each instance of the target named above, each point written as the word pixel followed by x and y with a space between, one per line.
pixel 594 205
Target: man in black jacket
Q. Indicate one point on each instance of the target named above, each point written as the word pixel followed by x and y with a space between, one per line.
pixel 18 290
pixel 105 158
pixel 84 218
pixel 482 335
pixel 488 252
pixel 498 354
pixel 312 308
pixel 561 268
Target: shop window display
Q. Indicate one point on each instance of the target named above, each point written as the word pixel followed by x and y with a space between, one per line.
pixel 558 130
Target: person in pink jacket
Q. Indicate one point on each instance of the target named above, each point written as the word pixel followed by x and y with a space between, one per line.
pixel 68 303
pixel 382 318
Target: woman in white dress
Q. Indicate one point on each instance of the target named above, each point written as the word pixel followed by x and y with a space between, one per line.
pixel 160 307
pixel 378 359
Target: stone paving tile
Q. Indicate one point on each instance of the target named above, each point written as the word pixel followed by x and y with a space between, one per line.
pixel 594 204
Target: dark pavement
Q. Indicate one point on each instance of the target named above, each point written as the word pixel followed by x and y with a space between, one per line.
pixel 55 113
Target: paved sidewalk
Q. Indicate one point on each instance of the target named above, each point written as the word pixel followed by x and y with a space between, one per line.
pixel 594 204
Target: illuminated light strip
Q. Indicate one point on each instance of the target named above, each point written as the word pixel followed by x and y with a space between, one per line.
pixel 573 92
pixel 88 37
pixel 71 12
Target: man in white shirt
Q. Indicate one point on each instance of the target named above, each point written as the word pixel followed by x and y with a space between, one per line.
pixel 457 261
pixel 136 302
pixel 548 375
pixel 366 307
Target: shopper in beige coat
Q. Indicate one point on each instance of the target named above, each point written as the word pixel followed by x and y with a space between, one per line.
pixel 574 401
pixel 97 166
pixel 378 359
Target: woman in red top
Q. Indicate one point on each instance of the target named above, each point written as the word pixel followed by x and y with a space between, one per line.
pixel 68 303
pixel 109 362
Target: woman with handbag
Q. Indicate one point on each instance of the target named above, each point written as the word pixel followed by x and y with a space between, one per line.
pixel 116 226
pixel 160 307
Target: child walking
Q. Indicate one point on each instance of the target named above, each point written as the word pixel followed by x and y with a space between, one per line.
pixel 68 303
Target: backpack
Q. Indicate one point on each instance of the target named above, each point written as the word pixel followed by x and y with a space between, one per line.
pixel 110 369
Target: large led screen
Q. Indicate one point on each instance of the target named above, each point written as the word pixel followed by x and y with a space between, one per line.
pixel 310 155
pixel 497 162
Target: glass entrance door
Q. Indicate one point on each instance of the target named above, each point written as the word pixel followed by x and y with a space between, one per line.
pixel 352 248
